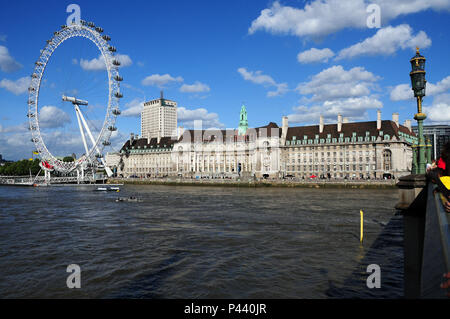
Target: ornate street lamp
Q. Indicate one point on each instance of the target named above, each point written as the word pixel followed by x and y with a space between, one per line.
pixel 418 83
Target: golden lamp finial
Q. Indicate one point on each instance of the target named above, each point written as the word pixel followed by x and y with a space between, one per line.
pixel 417 50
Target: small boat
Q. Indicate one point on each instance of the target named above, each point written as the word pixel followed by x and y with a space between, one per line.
pixel 130 199
pixel 108 189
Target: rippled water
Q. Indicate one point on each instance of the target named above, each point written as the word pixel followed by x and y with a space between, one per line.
pixel 198 242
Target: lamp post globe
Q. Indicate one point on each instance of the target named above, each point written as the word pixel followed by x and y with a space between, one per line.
pixel 418 84
pixel 417 74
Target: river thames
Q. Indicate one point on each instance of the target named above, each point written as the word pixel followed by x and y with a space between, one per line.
pixel 199 242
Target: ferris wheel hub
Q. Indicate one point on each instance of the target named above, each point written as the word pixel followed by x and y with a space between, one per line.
pixel 74 100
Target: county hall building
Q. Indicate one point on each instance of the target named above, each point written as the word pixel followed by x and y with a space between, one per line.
pixel 359 150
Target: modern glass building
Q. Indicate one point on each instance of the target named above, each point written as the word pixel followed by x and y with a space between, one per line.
pixel 438 136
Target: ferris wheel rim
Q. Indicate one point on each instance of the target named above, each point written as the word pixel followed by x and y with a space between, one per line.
pixel 92 33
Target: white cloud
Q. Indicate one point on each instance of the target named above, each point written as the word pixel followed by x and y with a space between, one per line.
pixel 282 88
pixel 17 87
pixel 353 108
pixel 52 117
pixel 439 111
pixel 15 145
pixel 386 42
pixel 160 80
pixel 323 17
pixel 392 9
pixel 337 91
pixel 404 92
pixel 317 18
pixel 15 142
pixel 187 117
pixel 15 129
pixel 98 64
pixel 133 108
pixel 7 62
pixel 438 88
pixel 315 55
pixel 335 82
pixel 197 87
pixel 258 77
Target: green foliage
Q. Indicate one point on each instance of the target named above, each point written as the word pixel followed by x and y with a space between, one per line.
pixel 68 159
pixel 20 168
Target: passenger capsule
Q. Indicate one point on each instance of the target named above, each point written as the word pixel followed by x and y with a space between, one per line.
pixel 116 112
pixel 116 62
pixel 118 95
pixel 112 128
pixel 106 143
pixel 118 78
pixel 106 38
pixel 112 49
pixel 99 30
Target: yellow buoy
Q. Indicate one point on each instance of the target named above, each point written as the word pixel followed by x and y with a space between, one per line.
pixel 362 226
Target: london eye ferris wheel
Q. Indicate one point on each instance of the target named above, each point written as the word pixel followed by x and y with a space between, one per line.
pixel 86 126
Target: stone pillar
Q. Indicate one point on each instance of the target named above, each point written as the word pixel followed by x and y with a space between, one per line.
pixel 409 188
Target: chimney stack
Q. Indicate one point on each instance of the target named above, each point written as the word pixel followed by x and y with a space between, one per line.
pixel 131 138
pixel 180 131
pixel 395 118
pixel 284 127
pixel 339 124
pixel 321 124
pixel 408 125
pixel 378 120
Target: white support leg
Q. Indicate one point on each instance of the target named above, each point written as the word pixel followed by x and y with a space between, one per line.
pixel 108 170
pixel 78 112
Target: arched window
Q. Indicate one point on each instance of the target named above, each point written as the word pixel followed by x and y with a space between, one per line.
pixel 387 160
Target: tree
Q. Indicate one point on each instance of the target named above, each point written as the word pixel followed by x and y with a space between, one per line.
pixel 21 168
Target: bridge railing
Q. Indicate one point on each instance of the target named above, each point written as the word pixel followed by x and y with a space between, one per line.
pixel 436 249
pixel 18 180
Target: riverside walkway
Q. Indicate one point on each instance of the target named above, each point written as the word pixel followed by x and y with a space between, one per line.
pixel 250 182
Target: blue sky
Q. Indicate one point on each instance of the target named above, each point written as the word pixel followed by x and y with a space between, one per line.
pixel 294 58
